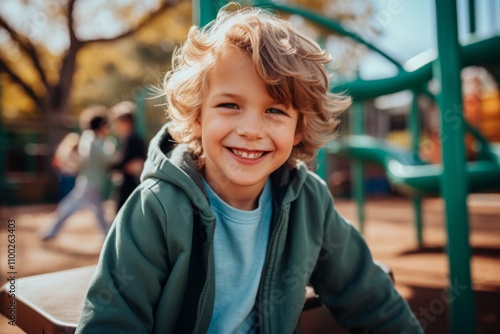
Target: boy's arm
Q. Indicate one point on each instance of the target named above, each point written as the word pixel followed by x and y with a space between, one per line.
pixel 132 271
pixel 358 293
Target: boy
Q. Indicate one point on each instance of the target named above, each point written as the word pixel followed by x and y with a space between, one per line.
pixel 228 226
pixel 133 151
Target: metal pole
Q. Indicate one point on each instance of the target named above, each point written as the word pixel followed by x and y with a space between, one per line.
pixel 322 166
pixel 414 126
pixel 357 173
pixel 204 11
pixel 140 112
pixel 472 16
pixel 453 181
pixel 30 157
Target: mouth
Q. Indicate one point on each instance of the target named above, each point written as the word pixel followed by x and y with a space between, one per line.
pixel 246 154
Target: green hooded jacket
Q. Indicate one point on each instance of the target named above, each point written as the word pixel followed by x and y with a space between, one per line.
pixel 156 270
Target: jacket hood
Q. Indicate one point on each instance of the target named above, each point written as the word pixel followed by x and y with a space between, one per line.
pixel 173 163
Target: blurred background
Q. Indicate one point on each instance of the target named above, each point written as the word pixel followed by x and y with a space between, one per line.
pixel 58 57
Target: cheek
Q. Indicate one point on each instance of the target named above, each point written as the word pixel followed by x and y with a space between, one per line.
pixel 286 139
pixel 212 132
pixel 215 125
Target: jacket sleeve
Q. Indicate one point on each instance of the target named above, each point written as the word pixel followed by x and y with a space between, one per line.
pixel 132 270
pixel 357 292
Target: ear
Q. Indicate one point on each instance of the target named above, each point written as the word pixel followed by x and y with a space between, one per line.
pixel 297 138
pixel 197 127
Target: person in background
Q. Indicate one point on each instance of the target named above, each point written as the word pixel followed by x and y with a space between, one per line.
pixel 96 153
pixel 133 150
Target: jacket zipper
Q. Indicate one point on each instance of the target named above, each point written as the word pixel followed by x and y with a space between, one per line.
pixel 270 247
pixel 203 291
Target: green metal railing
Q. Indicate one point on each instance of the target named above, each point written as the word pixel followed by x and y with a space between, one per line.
pixel 454 187
pixel 414 122
pixel 356 124
pixel 140 112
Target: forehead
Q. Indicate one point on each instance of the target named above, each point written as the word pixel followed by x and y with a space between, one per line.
pixel 234 70
pixel 232 58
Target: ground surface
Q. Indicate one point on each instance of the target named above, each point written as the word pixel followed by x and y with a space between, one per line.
pixel 421 274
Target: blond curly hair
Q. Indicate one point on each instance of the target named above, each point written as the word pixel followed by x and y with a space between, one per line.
pixel 292 66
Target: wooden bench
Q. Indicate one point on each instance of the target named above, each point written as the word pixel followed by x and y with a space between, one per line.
pixel 51 303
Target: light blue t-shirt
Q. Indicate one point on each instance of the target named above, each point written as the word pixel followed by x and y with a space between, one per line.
pixel 240 245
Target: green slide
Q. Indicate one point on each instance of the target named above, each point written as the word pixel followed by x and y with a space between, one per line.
pixel 408 174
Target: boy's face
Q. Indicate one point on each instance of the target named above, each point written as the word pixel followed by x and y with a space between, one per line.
pixel 245 134
pixel 122 128
pixel 104 130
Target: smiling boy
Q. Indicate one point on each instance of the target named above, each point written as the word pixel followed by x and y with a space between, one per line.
pixel 227 210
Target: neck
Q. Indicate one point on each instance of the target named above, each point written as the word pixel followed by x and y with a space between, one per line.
pixel 99 133
pixel 239 197
pixel 242 203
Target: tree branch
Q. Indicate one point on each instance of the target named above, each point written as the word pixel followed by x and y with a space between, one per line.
pixel 28 48
pixel 17 79
pixel 145 20
pixel 71 28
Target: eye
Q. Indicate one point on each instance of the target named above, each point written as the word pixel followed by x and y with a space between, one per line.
pixel 276 111
pixel 228 106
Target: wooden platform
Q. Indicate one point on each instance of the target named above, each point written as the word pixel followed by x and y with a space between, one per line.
pixel 49 303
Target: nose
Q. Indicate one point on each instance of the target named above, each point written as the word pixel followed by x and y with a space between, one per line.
pixel 251 125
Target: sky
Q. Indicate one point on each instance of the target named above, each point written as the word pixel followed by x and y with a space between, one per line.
pixel 409 30
pixel 33 18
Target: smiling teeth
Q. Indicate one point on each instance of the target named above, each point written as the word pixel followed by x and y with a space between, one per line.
pixel 247 155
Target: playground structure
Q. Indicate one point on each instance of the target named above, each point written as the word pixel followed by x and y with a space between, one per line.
pixel 454 178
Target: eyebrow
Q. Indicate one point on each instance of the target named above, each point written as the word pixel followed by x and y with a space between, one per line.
pixel 237 96
pixel 227 94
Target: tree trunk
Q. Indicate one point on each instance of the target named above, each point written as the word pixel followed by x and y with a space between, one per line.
pixel 56 109
pixel 54 133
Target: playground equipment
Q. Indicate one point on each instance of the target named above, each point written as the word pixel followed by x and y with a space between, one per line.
pixel 454 179
pixel 410 175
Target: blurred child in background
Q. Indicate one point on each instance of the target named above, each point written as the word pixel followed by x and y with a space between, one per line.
pixel 95 155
